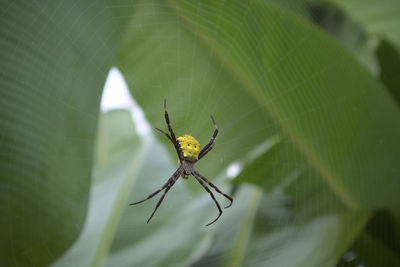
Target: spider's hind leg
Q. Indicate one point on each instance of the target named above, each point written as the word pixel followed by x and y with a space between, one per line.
pixel 152 195
pixel 161 200
pixel 213 186
pixel 169 183
pixel 212 196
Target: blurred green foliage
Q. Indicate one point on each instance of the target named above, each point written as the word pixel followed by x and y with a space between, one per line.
pixel 299 90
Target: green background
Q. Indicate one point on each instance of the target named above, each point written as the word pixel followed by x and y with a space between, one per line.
pixel 306 97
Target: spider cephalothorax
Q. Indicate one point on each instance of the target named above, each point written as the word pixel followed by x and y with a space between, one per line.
pixel 188 150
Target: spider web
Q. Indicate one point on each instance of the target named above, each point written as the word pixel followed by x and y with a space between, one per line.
pixel 201 65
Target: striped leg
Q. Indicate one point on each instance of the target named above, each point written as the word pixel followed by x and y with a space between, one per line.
pixel 208 147
pixel 213 186
pixel 212 196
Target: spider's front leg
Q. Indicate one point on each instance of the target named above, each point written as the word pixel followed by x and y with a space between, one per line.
pixel 210 144
pixel 177 148
pixel 172 137
pixel 167 121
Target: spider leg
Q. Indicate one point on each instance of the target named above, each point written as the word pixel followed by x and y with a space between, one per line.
pixel 172 180
pixel 167 120
pixel 170 138
pixel 213 186
pixel 212 196
pixel 173 137
pixel 206 149
pixel 164 133
pixel 162 198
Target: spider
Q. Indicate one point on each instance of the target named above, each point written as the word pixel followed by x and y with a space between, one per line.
pixel 188 150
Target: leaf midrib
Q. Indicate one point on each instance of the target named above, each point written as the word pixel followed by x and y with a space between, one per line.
pixel 245 230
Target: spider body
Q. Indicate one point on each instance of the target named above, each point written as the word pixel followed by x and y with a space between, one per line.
pixel 188 167
pixel 188 150
pixel 190 147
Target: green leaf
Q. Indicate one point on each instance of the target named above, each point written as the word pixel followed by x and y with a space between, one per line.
pixel 348 32
pixel 389 60
pixel 383 228
pixel 298 7
pixel 232 236
pixel 262 72
pixel 369 252
pixel 276 169
pixel 318 243
pixel 381 20
pixel 54 59
pixel 380 42
pixel 118 158
pixel 262 232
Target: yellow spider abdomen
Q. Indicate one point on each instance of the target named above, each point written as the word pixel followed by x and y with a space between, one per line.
pixel 190 147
